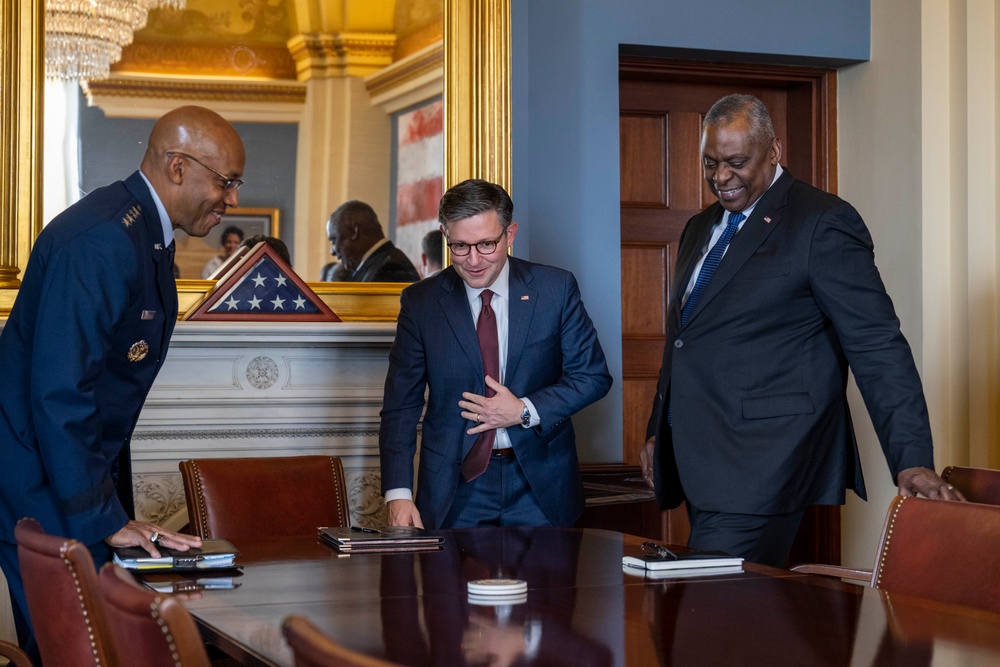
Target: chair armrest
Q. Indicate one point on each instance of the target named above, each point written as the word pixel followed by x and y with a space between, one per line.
pixel 864 576
pixel 17 657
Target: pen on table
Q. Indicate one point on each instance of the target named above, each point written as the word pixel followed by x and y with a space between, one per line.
pixel 362 529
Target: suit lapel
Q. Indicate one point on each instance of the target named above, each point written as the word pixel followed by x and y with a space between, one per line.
pixel 152 238
pixel 521 300
pixel 766 217
pixel 455 306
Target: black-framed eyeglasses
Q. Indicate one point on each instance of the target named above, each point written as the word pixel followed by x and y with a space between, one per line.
pixel 227 183
pixel 488 247
pixel 658 551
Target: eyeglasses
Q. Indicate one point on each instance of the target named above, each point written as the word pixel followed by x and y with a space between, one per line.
pixel 488 247
pixel 227 183
pixel 657 551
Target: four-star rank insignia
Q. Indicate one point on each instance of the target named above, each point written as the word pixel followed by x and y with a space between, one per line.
pixel 131 216
pixel 138 351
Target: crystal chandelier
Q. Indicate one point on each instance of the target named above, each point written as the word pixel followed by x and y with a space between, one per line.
pixel 83 37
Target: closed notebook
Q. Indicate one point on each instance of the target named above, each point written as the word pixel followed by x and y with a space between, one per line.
pixel 388 538
pixel 684 561
pixel 681 573
pixel 213 554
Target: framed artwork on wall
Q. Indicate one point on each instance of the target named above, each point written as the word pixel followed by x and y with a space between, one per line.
pixel 197 258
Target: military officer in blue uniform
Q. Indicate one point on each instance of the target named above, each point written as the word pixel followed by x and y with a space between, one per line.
pixel 87 335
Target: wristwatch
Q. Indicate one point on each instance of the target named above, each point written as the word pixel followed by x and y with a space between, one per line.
pixel 525 416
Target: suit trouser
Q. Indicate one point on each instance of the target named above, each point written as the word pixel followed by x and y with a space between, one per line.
pixel 765 539
pixel 501 496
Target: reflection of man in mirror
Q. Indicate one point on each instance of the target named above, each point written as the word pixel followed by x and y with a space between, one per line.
pixel 87 335
pixel 432 255
pixel 356 238
pixel 509 354
pixel 279 246
pixel 232 237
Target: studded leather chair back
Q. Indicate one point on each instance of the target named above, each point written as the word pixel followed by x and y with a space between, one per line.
pixel 255 498
pixel 67 612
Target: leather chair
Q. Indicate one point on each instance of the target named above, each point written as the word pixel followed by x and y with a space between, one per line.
pixel 935 549
pixel 149 629
pixel 312 648
pixel 978 485
pixel 15 655
pixel 67 612
pixel 254 498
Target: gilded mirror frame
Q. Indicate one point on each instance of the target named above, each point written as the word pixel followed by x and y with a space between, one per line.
pixel 477 136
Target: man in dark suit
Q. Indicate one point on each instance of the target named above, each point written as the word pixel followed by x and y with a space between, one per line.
pixel 498 446
pixel 750 420
pixel 366 255
pixel 89 332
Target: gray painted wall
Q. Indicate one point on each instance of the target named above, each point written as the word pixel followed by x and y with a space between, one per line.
pixel 565 129
pixel 111 149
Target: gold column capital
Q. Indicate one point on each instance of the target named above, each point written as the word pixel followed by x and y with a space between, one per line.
pixel 323 56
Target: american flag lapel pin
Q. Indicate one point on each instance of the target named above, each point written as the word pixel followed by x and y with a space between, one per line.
pixel 767 219
pixel 525 297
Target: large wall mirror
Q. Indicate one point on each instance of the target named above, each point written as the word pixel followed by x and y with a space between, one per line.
pixel 339 73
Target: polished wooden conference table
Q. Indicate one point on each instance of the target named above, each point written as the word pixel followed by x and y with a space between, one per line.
pixel 581 609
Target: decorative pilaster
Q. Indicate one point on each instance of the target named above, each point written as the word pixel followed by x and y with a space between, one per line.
pixel 21 25
pixel 477 91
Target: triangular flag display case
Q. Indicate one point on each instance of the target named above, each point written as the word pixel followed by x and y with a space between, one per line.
pixel 260 287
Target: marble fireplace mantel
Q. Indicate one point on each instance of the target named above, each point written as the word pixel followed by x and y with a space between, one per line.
pixel 233 389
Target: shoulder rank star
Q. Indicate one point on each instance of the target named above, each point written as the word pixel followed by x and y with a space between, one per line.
pixel 131 216
pixel 138 351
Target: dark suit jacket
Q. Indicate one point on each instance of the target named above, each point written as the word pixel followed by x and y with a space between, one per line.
pixel 757 377
pixel 98 284
pixel 553 358
pixel 388 264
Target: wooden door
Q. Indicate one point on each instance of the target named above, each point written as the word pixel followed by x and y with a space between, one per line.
pixel 661 106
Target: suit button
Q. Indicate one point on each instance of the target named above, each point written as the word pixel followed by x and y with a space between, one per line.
pixel 678 344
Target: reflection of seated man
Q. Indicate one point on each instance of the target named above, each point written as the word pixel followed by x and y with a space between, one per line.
pixel 334 272
pixel 357 239
pixel 231 239
pixel 273 241
pixel 432 255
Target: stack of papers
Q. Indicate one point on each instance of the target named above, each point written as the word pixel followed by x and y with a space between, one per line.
pixel 213 554
pixel 387 539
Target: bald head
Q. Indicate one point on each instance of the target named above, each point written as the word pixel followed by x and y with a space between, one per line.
pixel 188 129
pixel 191 154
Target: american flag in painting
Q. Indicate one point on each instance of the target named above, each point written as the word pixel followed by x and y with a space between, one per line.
pixel 419 175
pixel 265 288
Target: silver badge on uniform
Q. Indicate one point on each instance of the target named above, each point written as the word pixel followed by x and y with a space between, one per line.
pixel 138 351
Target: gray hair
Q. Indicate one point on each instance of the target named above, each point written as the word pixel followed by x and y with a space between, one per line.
pixel 472 197
pixel 731 107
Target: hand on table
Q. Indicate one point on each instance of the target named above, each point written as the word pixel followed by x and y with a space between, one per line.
pixel 139 534
pixel 404 513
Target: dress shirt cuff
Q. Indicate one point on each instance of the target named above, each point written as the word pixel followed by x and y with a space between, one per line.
pixel 535 419
pixel 398 494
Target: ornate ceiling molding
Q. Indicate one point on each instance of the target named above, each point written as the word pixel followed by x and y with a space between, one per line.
pixel 322 56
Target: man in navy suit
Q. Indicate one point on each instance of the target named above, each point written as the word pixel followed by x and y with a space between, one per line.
pixel 750 420
pixel 89 332
pixel 550 366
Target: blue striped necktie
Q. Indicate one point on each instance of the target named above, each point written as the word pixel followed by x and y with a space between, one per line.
pixel 710 264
